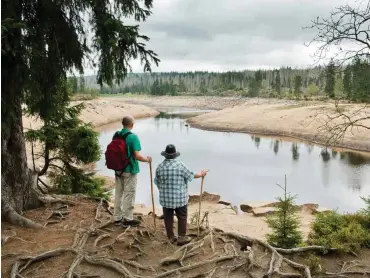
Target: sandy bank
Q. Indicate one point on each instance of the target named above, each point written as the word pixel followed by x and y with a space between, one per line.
pixel 298 120
pixel 201 102
pixel 103 111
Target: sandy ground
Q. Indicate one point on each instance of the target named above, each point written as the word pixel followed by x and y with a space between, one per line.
pixel 202 102
pixel 99 112
pixel 303 121
pixel 224 218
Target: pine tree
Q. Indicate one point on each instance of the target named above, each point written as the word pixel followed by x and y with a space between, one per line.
pixel 277 82
pixel 347 81
pixel 284 223
pixel 330 79
pixel 361 80
pixel 297 85
pixel 82 88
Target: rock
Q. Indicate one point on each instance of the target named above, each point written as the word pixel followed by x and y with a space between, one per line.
pixel 263 211
pixel 206 197
pixel 224 203
pixel 321 210
pixel 250 206
pixel 310 208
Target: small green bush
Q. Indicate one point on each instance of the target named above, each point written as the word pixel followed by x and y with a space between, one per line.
pixel 345 232
pixel 313 262
pixel 76 181
pixel 284 223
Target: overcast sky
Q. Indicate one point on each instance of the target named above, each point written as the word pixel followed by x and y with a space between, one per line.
pixel 220 35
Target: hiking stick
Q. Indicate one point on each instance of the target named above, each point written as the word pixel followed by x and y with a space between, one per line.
pixel 152 190
pixel 200 203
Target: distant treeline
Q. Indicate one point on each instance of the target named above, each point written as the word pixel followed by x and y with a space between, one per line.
pixel 351 82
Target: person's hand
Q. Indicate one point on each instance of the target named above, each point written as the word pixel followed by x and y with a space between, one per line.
pixel 204 173
pixel 149 159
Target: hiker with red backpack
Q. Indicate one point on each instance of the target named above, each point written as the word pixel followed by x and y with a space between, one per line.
pixel 122 156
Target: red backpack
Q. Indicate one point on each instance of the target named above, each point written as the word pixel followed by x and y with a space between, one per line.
pixel 116 157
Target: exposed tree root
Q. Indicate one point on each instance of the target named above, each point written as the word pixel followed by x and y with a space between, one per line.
pixel 276 258
pixel 109 263
pixel 98 211
pixel 196 265
pixel 305 249
pixel 101 237
pixel 15 218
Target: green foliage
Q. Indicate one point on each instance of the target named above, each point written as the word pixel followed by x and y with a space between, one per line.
pixel 312 90
pixel 366 210
pixel 73 180
pixel 313 262
pixel 284 223
pixel 347 81
pixel 297 85
pixel 254 88
pixel 346 232
pixel 330 79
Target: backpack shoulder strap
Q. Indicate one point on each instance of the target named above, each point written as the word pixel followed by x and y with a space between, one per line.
pixel 126 134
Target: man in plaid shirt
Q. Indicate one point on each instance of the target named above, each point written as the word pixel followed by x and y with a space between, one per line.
pixel 172 178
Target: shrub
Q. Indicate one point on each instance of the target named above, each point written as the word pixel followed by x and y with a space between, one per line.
pixel 346 232
pixel 76 181
pixel 313 262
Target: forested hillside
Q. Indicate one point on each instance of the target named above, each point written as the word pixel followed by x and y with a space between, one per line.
pixel 351 81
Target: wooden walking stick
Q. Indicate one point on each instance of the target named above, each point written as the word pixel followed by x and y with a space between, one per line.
pixel 200 203
pixel 152 190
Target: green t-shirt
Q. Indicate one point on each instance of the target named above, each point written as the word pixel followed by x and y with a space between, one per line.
pixel 133 144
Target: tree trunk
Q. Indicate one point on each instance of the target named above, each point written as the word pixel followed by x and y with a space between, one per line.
pixel 16 178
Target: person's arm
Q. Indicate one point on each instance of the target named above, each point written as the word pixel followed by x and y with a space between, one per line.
pixel 141 158
pixel 136 147
pixel 157 178
pixel 202 173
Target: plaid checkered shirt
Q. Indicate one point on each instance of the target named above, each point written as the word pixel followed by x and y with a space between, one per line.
pixel 172 178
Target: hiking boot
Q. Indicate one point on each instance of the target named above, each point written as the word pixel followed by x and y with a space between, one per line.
pixel 182 240
pixel 132 223
pixel 118 222
pixel 173 240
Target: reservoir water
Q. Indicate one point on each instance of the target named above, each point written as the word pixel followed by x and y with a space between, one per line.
pixel 246 167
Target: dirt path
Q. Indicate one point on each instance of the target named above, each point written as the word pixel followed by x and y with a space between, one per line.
pixel 85 244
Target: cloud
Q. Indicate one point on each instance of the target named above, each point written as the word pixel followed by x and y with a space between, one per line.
pixel 218 35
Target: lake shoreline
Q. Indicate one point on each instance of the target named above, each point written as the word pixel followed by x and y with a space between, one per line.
pixel 299 120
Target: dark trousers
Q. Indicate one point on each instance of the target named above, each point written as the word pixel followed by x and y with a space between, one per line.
pixel 181 214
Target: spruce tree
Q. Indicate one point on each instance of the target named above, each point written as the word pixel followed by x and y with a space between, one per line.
pixel 330 79
pixel 284 223
pixel 297 84
pixel 277 82
pixel 347 81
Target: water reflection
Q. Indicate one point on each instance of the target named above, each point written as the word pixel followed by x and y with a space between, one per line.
pixel 325 155
pixel 295 151
pixel 276 146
